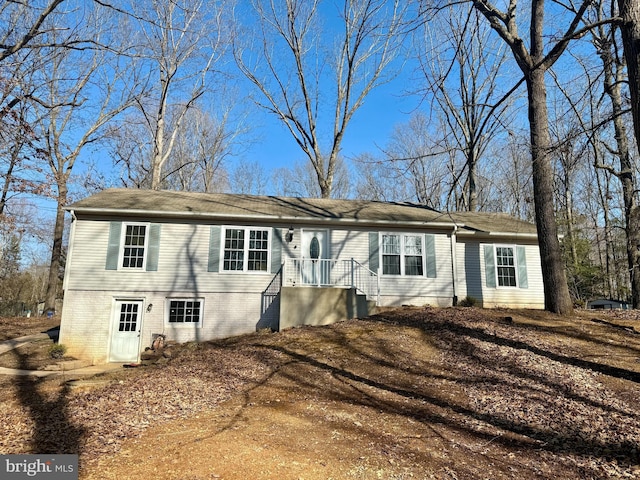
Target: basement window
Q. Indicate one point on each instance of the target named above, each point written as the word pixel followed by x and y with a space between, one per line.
pixel 185 312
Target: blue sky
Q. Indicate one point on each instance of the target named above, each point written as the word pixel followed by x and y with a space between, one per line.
pixel 370 128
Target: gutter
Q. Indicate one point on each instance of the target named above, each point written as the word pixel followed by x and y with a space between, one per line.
pixel 477 233
pixel 271 218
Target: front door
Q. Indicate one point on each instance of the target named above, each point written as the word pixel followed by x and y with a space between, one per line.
pixel 125 334
pixel 316 268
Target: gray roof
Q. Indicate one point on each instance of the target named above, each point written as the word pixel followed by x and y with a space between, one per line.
pixel 493 222
pixel 172 204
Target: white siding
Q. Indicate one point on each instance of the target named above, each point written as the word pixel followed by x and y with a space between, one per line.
pixel 414 290
pixel 472 278
pixel 182 264
pixel 234 303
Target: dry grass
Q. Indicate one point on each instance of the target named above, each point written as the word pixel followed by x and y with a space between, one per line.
pixel 410 393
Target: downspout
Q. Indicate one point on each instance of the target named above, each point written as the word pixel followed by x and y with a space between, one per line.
pixel 454 264
pixel 67 263
pixel 65 279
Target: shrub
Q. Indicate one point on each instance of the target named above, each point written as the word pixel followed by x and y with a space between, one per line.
pixel 468 302
pixel 57 350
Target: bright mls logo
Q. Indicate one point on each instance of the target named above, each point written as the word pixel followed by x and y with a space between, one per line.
pixel 50 467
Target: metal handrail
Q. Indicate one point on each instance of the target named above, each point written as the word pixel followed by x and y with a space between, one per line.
pixel 332 273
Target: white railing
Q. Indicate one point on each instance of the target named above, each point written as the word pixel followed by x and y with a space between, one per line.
pixel 332 273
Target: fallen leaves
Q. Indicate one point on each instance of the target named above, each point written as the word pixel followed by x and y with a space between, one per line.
pixel 462 389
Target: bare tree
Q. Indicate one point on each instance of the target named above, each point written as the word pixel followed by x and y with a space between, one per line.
pixel 606 113
pixel 458 49
pixel 179 43
pixel 199 158
pixel 510 182
pixel 300 180
pixel 315 93
pixel 25 27
pixel 26 48
pixel 248 177
pixel 19 158
pixel 415 165
pixel 534 62
pixel 84 92
pixel 630 29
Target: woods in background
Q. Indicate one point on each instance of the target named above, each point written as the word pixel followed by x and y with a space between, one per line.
pixel 151 94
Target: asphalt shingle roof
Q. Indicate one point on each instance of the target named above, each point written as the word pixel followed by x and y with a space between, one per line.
pixel 153 203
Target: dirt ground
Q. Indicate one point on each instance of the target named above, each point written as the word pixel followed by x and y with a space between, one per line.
pixel 13 327
pixel 409 394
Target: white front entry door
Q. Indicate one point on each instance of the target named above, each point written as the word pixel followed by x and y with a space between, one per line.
pixel 316 269
pixel 125 334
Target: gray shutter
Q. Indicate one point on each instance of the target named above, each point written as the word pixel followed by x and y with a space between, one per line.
pixel 490 266
pixel 523 281
pixel 374 252
pixel 153 247
pixel 430 252
pixel 276 250
pixel 214 249
pixel 113 249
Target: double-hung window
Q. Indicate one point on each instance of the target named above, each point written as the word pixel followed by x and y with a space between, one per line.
pixel 246 249
pixel 391 256
pixel 188 312
pixel 134 245
pixel 402 254
pixel 506 266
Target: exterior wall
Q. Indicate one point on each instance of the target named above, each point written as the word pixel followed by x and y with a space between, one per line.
pixel 233 303
pixel 395 290
pixel 241 302
pixel 410 290
pixel 88 319
pixel 472 279
pixel 182 264
pixel 320 306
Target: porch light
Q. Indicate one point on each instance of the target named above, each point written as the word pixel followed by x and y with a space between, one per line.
pixel 149 307
pixel 289 236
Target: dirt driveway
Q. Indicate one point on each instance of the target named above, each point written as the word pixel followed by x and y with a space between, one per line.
pixel 411 393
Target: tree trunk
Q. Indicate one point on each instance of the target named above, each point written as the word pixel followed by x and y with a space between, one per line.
pixel 556 291
pixel 472 165
pixel 56 252
pixel 630 29
pixel 571 237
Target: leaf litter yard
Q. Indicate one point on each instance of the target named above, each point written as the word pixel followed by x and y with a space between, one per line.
pixel 412 393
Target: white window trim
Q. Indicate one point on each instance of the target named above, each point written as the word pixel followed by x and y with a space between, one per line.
pixel 245 263
pixel 402 236
pixel 123 235
pixel 515 265
pixel 190 325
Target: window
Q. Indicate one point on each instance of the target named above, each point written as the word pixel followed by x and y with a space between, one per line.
pixel 413 255
pixel 135 237
pixel 185 311
pixel 246 249
pixel 258 250
pixel 402 255
pixel 391 254
pixel 233 249
pixel 133 246
pixel 128 317
pixel 506 267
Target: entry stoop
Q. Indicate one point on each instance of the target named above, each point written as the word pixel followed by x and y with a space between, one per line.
pixel 321 306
